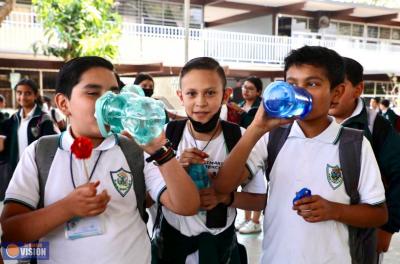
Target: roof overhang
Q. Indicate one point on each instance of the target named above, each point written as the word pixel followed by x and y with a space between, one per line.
pixel 218 12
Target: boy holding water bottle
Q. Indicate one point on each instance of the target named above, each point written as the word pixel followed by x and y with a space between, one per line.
pixel 314 229
pixel 209 236
pixel 94 219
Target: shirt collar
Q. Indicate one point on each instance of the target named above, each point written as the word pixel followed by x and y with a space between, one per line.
pixel 357 110
pixel 29 115
pixel 67 139
pixel 330 135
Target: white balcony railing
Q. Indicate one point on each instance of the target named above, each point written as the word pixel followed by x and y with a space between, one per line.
pixel 140 42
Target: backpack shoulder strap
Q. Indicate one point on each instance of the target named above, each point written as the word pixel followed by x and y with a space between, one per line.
pixel 277 138
pixel 362 241
pixel 174 132
pixel 350 145
pixel 232 134
pixel 45 150
pixel 134 156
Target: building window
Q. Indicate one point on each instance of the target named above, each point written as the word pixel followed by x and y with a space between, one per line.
pixel 159 12
pixel 372 32
pixel 284 26
pixel 358 30
pixel 344 29
pixel 396 34
pixel 384 33
pixel 299 24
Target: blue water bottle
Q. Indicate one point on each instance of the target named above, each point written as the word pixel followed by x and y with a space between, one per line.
pixel 283 100
pixel 143 117
pixel 199 174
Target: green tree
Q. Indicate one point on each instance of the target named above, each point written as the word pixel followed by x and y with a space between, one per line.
pixel 78 28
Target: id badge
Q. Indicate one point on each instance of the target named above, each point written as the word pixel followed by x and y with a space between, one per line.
pixel 79 227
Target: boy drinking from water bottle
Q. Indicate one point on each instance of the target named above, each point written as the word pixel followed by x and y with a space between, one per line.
pixel 107 204
pixel 314 229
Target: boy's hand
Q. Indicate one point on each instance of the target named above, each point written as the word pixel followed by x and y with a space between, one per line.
pixel 316 209
pixel 153 145
pixel 383 240
pixel 209 198
pixel 84 200
pixel 263 123
pixel 192 156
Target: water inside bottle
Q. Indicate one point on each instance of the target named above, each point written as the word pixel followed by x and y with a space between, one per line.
pixel 198 173
pixel 283 100
pixel 144 119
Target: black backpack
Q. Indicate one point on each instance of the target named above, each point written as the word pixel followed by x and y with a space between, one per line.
pixel 362 241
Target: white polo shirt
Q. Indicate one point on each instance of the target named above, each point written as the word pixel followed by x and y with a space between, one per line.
pixel 23 130
pixel 308 162
pixel 217 151
pixel 125 239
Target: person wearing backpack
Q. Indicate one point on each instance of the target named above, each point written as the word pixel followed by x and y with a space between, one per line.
pixel 388 113
pixel 96 217
pixel 351 111
pixel 209 236
pixel 313 154
pixel 28 124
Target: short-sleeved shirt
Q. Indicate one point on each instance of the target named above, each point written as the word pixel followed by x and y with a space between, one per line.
pixel 312 163
pixel 125 238
pixel 217 151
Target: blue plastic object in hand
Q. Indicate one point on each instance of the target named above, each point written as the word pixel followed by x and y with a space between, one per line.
pixel 301 194
pixel 199 174
pixel 143 117
pixel 283 100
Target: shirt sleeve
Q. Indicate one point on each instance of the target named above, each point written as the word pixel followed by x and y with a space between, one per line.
pixel 154 180
pixel 258 156
pixel 370 186
pixel 257 184
pixel 24 184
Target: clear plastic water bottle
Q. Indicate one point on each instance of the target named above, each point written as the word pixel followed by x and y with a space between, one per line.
pixel 283 100
pixel 199 174
pixel 142 117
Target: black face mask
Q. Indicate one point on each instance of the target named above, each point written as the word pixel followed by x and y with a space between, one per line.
pixel 148 92
pixel 207 127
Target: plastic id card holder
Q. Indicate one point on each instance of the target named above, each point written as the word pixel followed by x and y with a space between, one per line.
pixel 79 227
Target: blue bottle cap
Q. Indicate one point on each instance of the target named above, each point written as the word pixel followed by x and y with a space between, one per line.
pixel 305 192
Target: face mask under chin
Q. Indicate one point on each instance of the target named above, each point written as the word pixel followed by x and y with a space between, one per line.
pixel 208 126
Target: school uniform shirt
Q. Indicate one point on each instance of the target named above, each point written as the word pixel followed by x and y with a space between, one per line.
pixel 217 151
pixel 312 163
pixel 22 130
pixel 125 239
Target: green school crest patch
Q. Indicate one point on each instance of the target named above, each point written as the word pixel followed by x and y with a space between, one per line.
pixel 122 181
pixel 334 175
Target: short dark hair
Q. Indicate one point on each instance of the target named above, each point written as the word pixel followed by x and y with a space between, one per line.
pixel 377 99
pixel 354 71
pixel 34 87
pixel 203 63
pixel 385 103
pixel 121 84
pixel 143 77
pixel 256 82
pixel 30 83
pixel 321 57
pixel 70 74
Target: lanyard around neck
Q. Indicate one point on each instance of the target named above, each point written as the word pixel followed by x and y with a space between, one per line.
pixel 91 174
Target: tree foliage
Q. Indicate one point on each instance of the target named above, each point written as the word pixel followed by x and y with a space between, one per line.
pixel 78 28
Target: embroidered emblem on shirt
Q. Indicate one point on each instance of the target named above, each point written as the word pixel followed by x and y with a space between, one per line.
pixel 122 181
pixel 334 175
